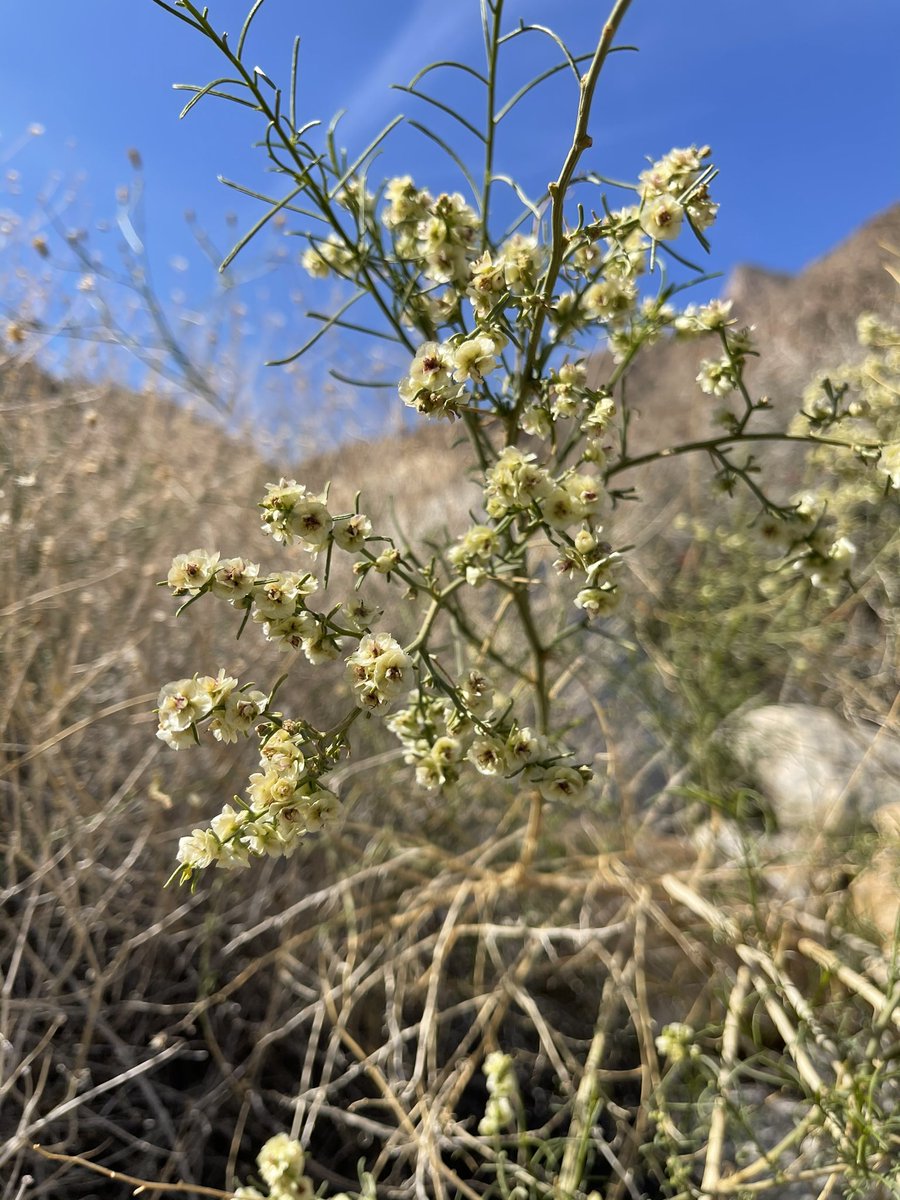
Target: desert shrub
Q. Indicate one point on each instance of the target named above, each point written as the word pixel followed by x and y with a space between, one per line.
pixel 487 976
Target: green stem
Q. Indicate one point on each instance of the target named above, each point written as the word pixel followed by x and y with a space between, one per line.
pixel 437 603
pixel 490 129
pixel 478 643
pixel 712 444
pixel 539 656
pixel 320 197
pixel 581 141
pixel 343 725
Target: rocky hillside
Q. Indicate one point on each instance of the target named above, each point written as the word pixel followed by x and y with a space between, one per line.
pixel 803 323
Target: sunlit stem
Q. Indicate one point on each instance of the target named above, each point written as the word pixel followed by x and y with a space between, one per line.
pixel 492 49
pixel 712 444
pixel 581 141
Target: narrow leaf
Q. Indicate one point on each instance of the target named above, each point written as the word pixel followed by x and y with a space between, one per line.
pixel 360 159
pixel 254 229
pixel 445 108
pixel 451 153
pixel 246 26
pixel 209 90
pixel 310 342
pixel 533 83
pixel 446 62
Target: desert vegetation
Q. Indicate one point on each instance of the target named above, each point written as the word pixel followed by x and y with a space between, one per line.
pixel 474 887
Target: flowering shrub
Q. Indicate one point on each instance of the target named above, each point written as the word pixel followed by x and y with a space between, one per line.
pixel 426 1005
pixel 499 331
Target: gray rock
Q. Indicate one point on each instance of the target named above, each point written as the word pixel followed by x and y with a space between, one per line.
pixel 813 768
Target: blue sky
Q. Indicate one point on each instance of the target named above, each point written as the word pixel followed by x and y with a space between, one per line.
pixel 799 100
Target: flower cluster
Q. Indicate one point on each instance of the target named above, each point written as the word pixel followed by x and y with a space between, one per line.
pixel 441 735
pixel 674 188
pixel 853 406
pixel 473 553
pixel 229 710
pixel 504 1101
pixel 332 254
pixel 858 403
pixel 378 670
pixel 277 601
pixel 286 801
pixel 676 1042
pixel 291 512
pixel 438 234
pixel 517 484
pixel 435 385
pixel 440 239
pixel 281 1164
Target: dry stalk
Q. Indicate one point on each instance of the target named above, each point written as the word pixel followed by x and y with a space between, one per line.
pixel 712 1169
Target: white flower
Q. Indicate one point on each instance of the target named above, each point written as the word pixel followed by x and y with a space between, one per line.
pixel 321 647
pixel 515 482
pixel 290 631
pixel 676 1042
pixel 386 561
pixel 276 596
pixel 191 572
pixel 228 823
pixel 323 807
pixel 477 694
pixel 179 706
pixel 360 613
pixel 378 670
pixel 610 300
pixel 488 755
pixel 523 261
pixel 474 358
pixel 597 602
pixel 199 850
pixel 703 318
pixel 430 773
pixel 430 387
pixel 716 377
pixel 536 422
pixel 522 747
pixel 503 1094
pixel 332 254
pixel 311 521
pixel 823 569
pixel 290 511
pixel 282 753
pixel 561 783
pixel 274 788
pixel 405 202
pixel 241 712
pixel 314 264
pixel 661 218
pixel 560 509
pixel 281 1161
pixel 477 545
pixel 234 578
pixel 486 284
pixel 351 534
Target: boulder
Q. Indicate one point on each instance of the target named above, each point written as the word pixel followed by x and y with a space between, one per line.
pixel 814 769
